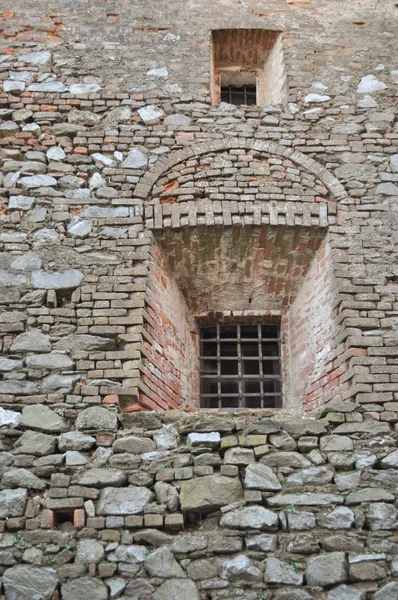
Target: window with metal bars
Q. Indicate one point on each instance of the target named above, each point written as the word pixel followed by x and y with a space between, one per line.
pixel 240 366
pixel 237 95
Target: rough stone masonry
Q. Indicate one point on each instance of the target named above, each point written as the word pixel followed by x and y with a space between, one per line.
pixel 136 208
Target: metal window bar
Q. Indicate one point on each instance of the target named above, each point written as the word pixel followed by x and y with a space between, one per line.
pixel 235 361
pixel 237 95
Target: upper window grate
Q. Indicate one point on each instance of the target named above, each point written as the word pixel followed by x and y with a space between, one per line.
pixel 240 366
pixel 245 94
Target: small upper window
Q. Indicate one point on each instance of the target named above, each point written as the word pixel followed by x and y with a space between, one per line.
pixel 238 88
pixel 247 67
pixel 240 366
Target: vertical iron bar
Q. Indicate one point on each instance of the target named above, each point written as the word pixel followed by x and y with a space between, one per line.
pixel 240 382
pixel 278 398
pixel 218 366
pixel 260 359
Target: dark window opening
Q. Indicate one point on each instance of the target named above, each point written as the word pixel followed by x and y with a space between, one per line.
pixel 245 94
pixel 64 520
pixel 240 366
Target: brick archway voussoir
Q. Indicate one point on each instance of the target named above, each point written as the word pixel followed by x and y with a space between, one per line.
pixel 310 165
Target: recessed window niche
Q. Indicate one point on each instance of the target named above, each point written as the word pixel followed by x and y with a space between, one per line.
pixel 247 67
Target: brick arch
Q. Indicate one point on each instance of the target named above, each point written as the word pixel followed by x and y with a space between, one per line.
pixel 164 164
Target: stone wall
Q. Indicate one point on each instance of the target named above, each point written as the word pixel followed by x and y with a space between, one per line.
pixel 128 200
pixel 100 504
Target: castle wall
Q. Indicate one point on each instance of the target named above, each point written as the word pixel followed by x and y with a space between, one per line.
pixel 112 156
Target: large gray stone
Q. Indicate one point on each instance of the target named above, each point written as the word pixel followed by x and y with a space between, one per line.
pixel 135 159
pixel 150 113
pixel 263 427
pixel 96 418
pixel 286 459
pixel 48 86
pixel 177 589
pixel 241 569
pixel 137 587
pixel 189 543
pixel 83 117
pixel 19 388
pixel 177 121
pixel 167 494
pixel 167 438
pixel 336 443
pixel 394 163
pixel 84 588
pixel 342 543
pixel 123 501
pixel 382 516
pixel 387 189
pixel 9 364
pixel 250 517
pixel 239 456
pixel 31 341
pixel 11 279
pixel 73 440
pixel 9 418
pixel 301 521
pixel 306 499
pixel 132 554
pixel 28 166
pixel 261 477
pixel 344 592
pixel 391 460
pixel 162 563
pixel 327 569
pixel 61 384
pixel 84 88
pixel 291 594
pixel 84 342
pixel 339 518
pixel 22 478
pixel 36 181
pixel 30 583
pixel 89 551
pixel 370 495
pixel 51 361
pixel 348 481
pixel 211 439
pixel 369 84
pixel 36 59
pixel 49 280
pixel 80 228
pixel 281 573
pixel 373 428
pixel 145 420
pixel 203 422
pixel 55 153
pixel 16 87
pixel 302 426
pixel 209 493
pixel 134 444
pixel 36 443
pixel 262 543
pixel 312 476
pixel 99 477
pixel 120 114
pixel 26 262
pixel 387 592
pixel 42 418
pixel 12 502
pixel 21 202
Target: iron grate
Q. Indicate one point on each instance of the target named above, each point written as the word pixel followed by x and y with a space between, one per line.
pixel 237 95
pixel 240 366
